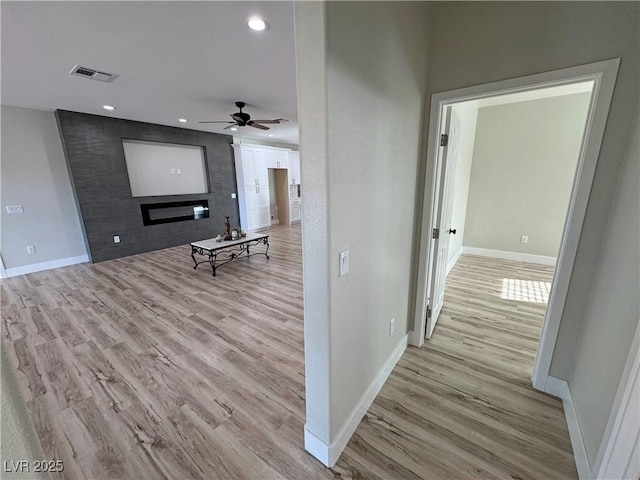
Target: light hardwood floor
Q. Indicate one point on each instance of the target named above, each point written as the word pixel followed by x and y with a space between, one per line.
pixel 463 406
pixel 143 368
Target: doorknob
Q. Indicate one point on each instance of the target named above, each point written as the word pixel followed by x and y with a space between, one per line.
pixel 452 230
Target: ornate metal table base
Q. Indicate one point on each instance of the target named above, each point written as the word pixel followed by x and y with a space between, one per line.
pixel 220 253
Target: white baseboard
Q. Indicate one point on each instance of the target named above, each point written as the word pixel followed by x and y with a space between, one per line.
pixel 454 260
pixel 316 447
pixel 560 388
pixel 518 257
pixel 3 272
pixel 39 267
pixel 329 454
pixel 556 387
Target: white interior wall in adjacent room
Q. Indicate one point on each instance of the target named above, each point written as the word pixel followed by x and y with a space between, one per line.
pixel 613 309
pixel 34 175
pixel 467 112
pixel 524 162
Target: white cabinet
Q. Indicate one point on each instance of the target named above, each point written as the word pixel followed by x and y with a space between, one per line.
pixel 277 158
pixel 294 168
pixel 295 211
pixel 253 187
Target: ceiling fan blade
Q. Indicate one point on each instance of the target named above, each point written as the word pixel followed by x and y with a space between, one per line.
pixel 267 121
pixel 257 125
pixel 230 126
pixel 217 121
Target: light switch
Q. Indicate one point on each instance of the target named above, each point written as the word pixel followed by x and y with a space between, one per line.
pixel 173 171
pixel 233 195
pixel 344 262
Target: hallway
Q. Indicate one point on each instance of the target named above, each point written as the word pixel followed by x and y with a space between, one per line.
pixel 462 406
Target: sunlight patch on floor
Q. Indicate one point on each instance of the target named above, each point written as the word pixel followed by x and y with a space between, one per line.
pixel 525 290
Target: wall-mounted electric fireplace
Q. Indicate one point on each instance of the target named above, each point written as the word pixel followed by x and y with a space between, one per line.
pixel 167 212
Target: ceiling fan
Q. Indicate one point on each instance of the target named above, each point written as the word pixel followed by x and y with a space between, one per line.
pixel 242 119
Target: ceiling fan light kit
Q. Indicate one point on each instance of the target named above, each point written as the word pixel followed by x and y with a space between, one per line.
pixel 242 119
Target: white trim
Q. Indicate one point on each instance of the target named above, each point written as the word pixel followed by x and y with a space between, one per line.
pixel 556 387
pixel 603 74
pixel 505 255
pixel 275 221
pixel 316 447
pixel 619 453
pixel 560 388
pixel 39 267
pixel 3 271
pixel 454 260
pixel 329 454
pixel 577 440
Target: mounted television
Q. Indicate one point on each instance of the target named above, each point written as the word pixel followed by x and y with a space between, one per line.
pixel 158 169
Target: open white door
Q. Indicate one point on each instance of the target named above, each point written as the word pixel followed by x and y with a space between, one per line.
pixel 449 153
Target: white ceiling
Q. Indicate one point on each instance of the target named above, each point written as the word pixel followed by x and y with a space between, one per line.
pixel 174 60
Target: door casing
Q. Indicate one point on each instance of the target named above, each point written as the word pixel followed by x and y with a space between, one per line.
pixel 603 74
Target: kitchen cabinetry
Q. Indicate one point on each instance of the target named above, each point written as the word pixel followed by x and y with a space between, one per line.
pixel 253 187
pixel 252 173
pixel 295 211
pixel 277 158
pixel 294 168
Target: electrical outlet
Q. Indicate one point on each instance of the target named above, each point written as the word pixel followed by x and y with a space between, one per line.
pixel 178 171
pixel 116 239
pixel 31 249
pixel 392 326
pixel 524 239
pixel 233 195
pixel 173 171
pixel 14 209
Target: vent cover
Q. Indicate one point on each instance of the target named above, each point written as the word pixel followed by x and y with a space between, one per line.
pixel 92 74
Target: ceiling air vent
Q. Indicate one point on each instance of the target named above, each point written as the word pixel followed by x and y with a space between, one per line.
pixel 92 74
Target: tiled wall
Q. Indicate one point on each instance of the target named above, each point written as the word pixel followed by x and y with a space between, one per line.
pixel 95 158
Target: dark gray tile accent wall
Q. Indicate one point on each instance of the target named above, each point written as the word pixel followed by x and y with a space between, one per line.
pixel 95 158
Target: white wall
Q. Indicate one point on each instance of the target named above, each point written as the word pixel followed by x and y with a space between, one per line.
pixel 34 175
pixel 359 195
pixel 524 161
pixel 480 42
pixel 613 310
pixel 467 112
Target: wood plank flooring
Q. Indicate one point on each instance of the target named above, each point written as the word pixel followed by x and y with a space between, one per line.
pixel 462 406
pixel 143 368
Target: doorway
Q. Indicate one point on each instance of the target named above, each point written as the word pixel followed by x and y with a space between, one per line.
pixel 509 164
pixel 434 221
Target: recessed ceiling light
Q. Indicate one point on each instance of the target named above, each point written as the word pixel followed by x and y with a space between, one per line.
pixel 269 134
pixel 233 129
pixel 108 107
pixel 182 120
pixel 257 24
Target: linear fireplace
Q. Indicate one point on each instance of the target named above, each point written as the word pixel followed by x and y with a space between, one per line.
pixel 168 212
